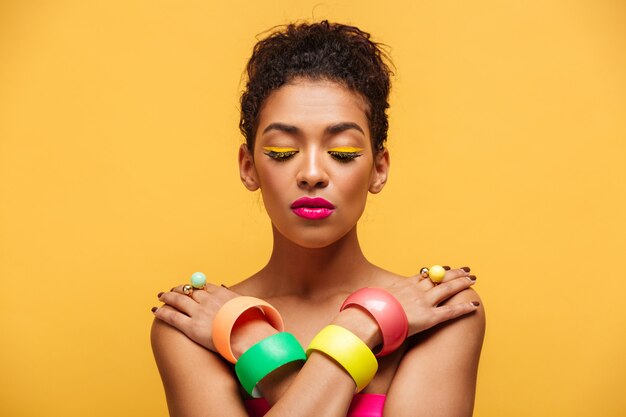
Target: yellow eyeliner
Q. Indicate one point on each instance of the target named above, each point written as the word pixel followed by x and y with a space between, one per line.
pixel 279 150
pixel 346 149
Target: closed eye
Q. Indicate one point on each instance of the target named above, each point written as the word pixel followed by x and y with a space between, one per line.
pixel 280 154
pixel 345 154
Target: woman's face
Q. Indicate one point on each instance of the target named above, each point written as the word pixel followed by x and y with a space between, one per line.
pixel 313 161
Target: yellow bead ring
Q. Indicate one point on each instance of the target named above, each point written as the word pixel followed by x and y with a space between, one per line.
pixel 435 273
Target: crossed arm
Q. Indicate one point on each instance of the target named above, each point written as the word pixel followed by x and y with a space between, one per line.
pixel 435 377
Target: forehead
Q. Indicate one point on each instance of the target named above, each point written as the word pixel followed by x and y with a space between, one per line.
pixel 311 104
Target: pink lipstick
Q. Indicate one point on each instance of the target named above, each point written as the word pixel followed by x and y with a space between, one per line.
pixel 312 208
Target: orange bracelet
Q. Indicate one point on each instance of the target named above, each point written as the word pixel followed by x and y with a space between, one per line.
pixel 228 314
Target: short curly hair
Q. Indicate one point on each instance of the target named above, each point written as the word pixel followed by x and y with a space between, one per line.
pixel 318 51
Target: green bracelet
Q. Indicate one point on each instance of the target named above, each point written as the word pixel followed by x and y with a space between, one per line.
pixel 265 357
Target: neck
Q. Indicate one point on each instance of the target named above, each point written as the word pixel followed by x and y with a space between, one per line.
pixel 293 269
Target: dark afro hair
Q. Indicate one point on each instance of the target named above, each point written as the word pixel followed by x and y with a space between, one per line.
pixel 318 51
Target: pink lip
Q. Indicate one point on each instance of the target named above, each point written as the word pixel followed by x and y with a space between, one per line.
pixel 312 208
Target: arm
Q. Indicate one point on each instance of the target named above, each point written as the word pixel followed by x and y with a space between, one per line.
pixel 437 375
pixel 304 392
pixel 198 382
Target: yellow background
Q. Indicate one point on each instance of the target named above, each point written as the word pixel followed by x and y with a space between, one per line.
pixel 118 179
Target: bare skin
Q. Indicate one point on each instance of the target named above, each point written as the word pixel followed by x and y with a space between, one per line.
pixel 313 268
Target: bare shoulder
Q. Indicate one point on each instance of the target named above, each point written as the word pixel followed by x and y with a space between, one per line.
pixel 194 378
pixel 169 343
pixel 181 359
pixel 384 277
pixel 466 331
pixel 477 318
pixel 446 355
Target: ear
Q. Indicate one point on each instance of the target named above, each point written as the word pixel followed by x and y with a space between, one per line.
pixel 247 170
pixel 380 171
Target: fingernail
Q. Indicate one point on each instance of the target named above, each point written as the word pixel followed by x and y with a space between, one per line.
pixel 466 268
pixel 446 267
pixel 154 309
pixel 224 286
pixel 172 289
pixel 472 277
pixel 160 294
pixel 475 303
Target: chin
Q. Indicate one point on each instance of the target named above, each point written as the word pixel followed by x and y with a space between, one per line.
pixel 314 243
pixel 314 237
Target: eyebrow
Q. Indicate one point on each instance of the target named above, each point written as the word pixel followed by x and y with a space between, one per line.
pixel 342 127
pixel 332 130
pixel 282 128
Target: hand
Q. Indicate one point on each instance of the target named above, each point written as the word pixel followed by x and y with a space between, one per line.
pixel 194 314
pixel 422 299
pixel 455 273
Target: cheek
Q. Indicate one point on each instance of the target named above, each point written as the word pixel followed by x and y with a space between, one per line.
pixel 273 183
pixel 355 185
pixel 270 177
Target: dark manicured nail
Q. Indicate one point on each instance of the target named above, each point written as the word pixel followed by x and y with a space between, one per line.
pixel 160 294
pixel 446 267
pixel 224 286
pixel 154 309
pixel 472 277
pixel 476 303
pixel 466 268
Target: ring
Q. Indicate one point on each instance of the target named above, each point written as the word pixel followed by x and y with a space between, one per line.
pixel 187 289
pixel 198 280
pixel 435 273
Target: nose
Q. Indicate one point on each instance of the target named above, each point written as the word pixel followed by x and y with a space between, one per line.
pixel 311 173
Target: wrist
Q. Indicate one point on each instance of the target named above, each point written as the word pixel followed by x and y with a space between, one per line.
pixel 247 311
pixel 362 324
pixel 388 313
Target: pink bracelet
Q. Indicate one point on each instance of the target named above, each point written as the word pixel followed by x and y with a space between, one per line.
pixel 388 313
pixel 367 405
pixel 362 405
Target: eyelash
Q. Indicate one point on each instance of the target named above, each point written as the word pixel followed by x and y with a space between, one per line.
pixel 343 157
pixel 281 156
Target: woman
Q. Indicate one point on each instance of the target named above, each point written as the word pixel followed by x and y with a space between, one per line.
pixel 314 118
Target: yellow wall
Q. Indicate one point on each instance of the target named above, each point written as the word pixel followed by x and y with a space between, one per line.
pixel 118 138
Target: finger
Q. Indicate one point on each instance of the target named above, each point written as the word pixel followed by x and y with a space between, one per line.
pixel 181 289
pixel 173 317
pixel 454 273
pixel 220 292
pixel 421 276
pixel 418 277
pixel 200 295
pixel 181 302
pixel 212 288
pixel 446 290
pixel 452 311
pixel 425 284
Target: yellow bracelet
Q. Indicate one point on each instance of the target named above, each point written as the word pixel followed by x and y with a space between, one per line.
pixel 349 351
